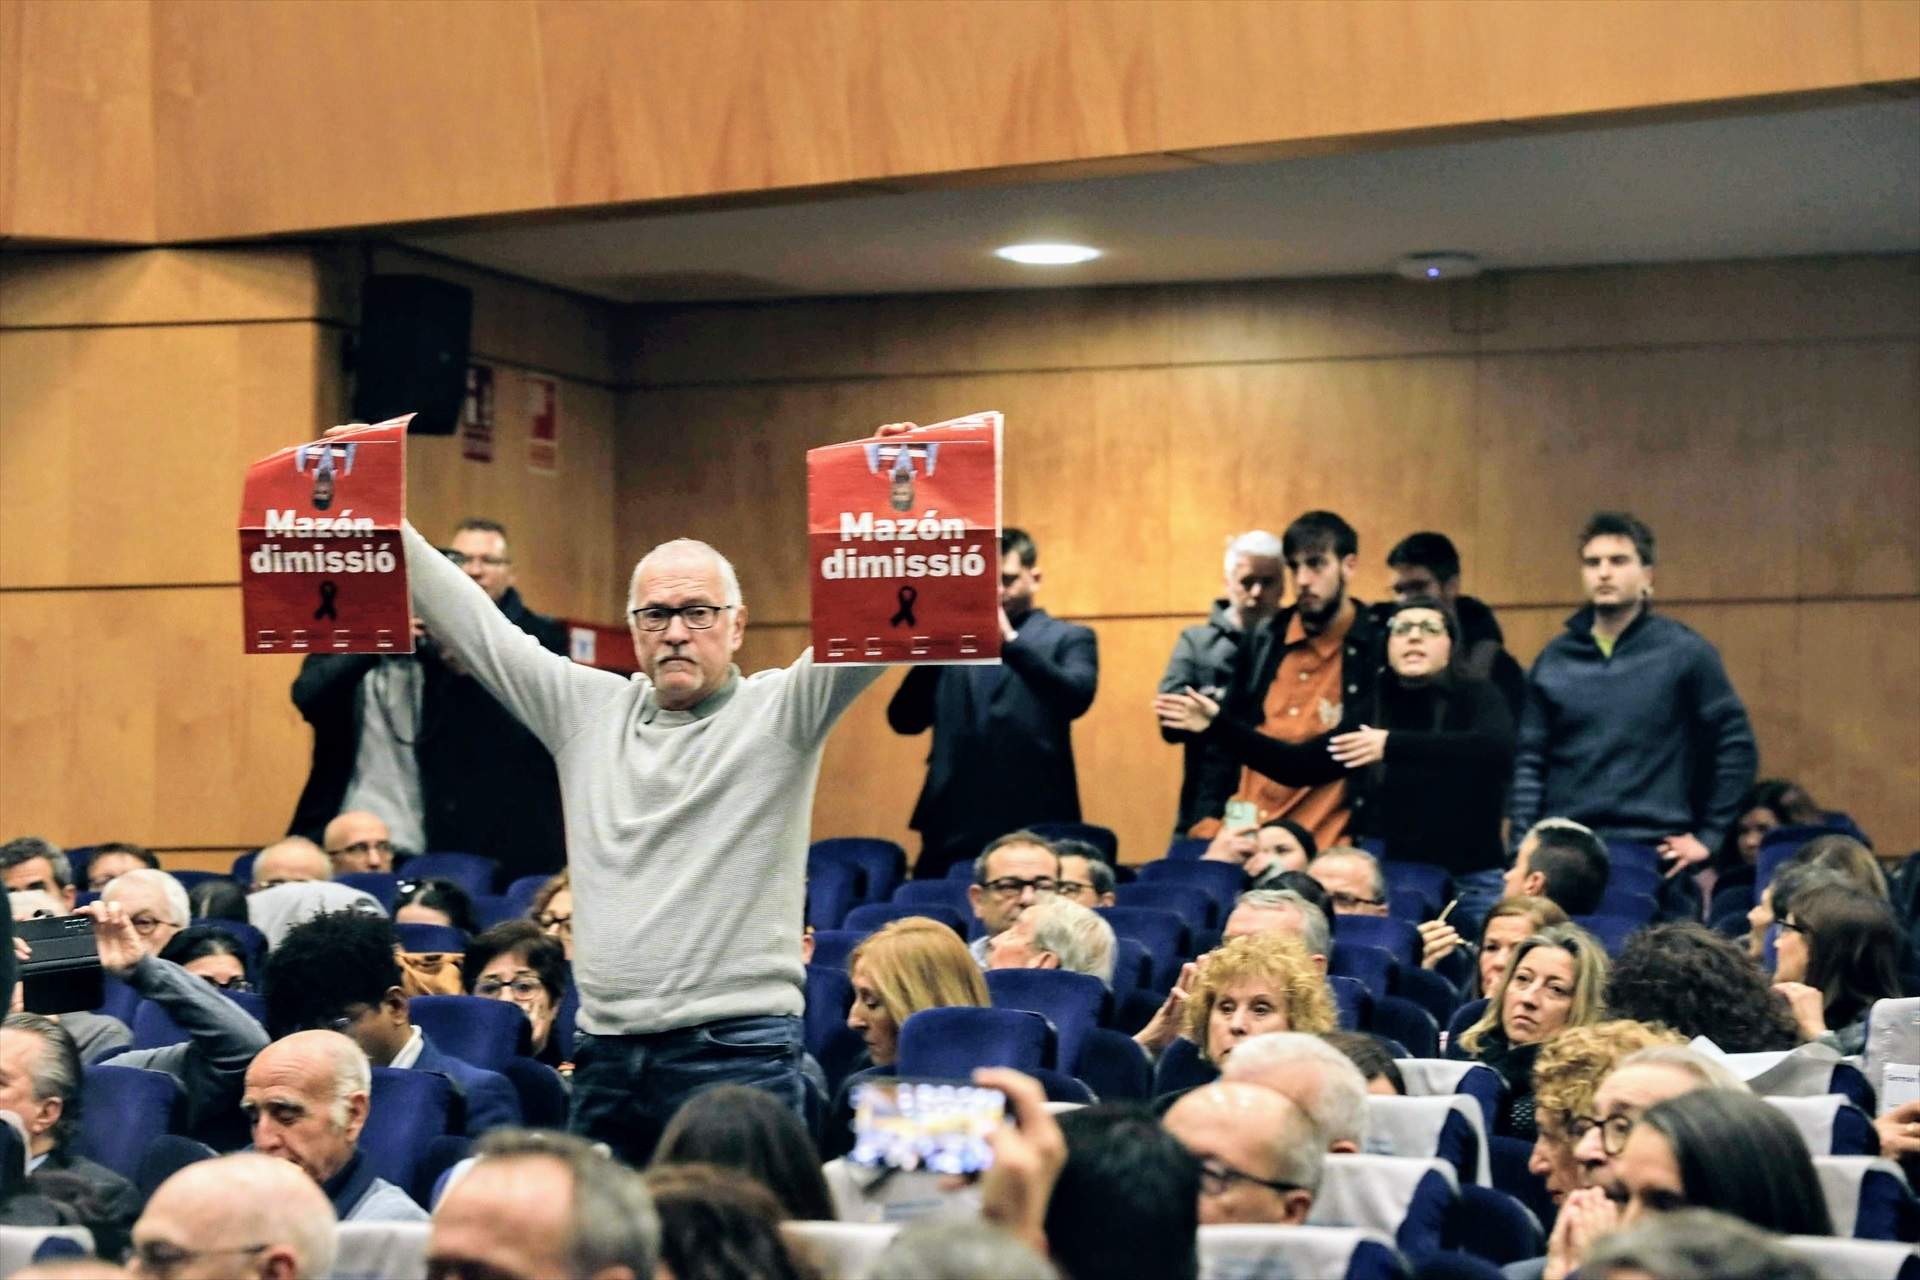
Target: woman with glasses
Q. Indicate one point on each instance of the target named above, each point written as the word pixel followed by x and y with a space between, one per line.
pixel 1556 980
pixel 519 962
pixel 552 910
pixel 1426 758
pixel 211 954
pixel 1566 1076
pixel 1837 952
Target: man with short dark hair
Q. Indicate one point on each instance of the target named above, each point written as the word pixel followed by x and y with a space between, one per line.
pixel 1002 755
pixel 1127 1200
pixel 30 863
pixel 1011 874
pixel 1426 565
pixel 545 1204
pixel 1301 670
pixel 1562 861
pixel 337 972
pixel 416 740
pixel 1085 877
pixel 1631 725
pixel 116 858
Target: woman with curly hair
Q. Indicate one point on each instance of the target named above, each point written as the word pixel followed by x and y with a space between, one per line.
pixel 1566 1076
pixel 1556 980
pixel 1689 978
pixel 1257 983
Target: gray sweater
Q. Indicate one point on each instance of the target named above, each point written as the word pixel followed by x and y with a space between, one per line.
pixel 687 831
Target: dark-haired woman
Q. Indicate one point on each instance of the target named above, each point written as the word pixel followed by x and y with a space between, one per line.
pixel 210 953
pixel 441 902
pixel 1426 759
pixel 518 962
pixel 1686 977
pixel 1838 952
pixel 753 1132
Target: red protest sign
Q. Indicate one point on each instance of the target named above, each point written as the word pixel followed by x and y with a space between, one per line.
pixel 904 546
pixel 321 566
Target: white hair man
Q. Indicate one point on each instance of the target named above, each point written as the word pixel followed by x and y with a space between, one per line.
pixel 240 1217
pixel 1315 1076
pixel 1282 911
pixel 1205 656
pixel 306 1100
pixel 156 904
pixel 293 860
pixel 1056 934
pixel 1260 1157
pixel 1353 880
pixel 545 1204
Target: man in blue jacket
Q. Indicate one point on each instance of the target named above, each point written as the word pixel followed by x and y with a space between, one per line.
pixel 1631 725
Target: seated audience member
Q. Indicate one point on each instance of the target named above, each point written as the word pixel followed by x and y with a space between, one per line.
pixel 210 954
pixel 1706 1149
pixel 958 1249
pixel 240 1217
pixel 1427 564
pixel 552 910
pixel 1354 882
pixel 40 1077
pixel 1010 875
pixel 1688 978
pixel 358 841
pixel 1266 852
pixel 1641 1079
pixel 1511 922
pixel 1838 952
pixel 1566 1075
pixel 1303 884
pixel 339 972
pixel 114 859
pixel 1768 804
pixel 1562 861
pixel 307 1099
pixel 537 1203
pixel 1426 757
pixel 1557 980
pixel 292 860
pixel 1694 1244
pixel 1253 985
pixel 1846 856
pixel 1260 1155
pixel 1313 1075
pixel 155 903
pixel 719 1224
pixel 1282 911
pixel 1776 897
pixel 95 1034
pixel 1128 1196
pixel 28 863
pixel 516 961
pixel 441 902
pixel 1373 1059
pixel 218 900
pixel 1085 877
pixel 276 911
pixel 1056 934
pixel 907 966
pixel 749 1130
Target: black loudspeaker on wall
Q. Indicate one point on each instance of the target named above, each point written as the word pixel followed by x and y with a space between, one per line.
pixel 412 356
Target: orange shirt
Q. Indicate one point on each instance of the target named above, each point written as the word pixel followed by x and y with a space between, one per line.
pixel 1304 701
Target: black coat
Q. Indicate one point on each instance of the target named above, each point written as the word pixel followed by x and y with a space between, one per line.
pixel 1002 755
pixel 1439 794
pixel 488 784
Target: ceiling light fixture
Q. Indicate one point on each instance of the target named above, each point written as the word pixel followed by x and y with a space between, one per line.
pixel 1046 255
pixel 1426 267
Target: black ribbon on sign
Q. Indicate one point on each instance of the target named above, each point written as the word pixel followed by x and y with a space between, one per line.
pixel 905 617
pixel 326 610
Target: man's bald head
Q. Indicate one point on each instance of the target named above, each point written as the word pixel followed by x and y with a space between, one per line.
pixel 240 1216
pixel 358 841
pixel 295 858
pixel 1259 1157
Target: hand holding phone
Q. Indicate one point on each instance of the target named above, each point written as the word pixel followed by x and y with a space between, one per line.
pixel 939 1126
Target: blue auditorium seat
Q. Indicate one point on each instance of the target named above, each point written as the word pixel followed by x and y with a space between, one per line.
pixel 154 1028
pixel 870 917
pixel 481 1033
pixel 1407 1022
pixel 1132 968
pixel 1413 1198
pixel 1187 850
pixel 951 894
pixel 1613 931
pixel 490 909
pixel 474 872
pixel 1352 1001
pixel 1198 907
pixel 1101 838
pixel 1398 938
pixel 882 862
pixel 1493 1225
pixel 1181 1067
pixel 243 868
pixel 123 1111
pixel 1374 967
pixel 563 1020
pixel 384 886
pixel 833 889
pixel 543 1094
pixel 1115 1067
pixel 408 1112
pixel 1163 933
pixel 1224 881
pixel 1465 1016
pixel 1073 1002
pixel 521 892
pixel 948 1043
pixel 1431 883
pixel 1428 990
pixel 833 1044
pixel 430 938
pixel 833 947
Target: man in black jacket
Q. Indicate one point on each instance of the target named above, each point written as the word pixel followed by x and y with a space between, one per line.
pixel 1426 564
pixel 1002 756
pixel 1631 725
pixel 1204 657
pixel 416 740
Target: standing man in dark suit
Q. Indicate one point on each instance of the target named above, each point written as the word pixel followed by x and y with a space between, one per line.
pixel 1002 756
pixel 418 741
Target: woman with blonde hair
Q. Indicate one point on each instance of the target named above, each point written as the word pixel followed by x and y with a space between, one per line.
pixel 1556 980
pixel 1254 984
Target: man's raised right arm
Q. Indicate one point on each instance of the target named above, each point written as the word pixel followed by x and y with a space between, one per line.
pixel 551 695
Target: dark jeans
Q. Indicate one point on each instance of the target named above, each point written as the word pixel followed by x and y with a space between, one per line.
pixel 626 1088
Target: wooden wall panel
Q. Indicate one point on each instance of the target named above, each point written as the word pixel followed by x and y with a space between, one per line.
pixel 1758 414
pixel 161 286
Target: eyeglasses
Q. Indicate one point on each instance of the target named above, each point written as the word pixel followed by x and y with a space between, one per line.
pixel 157 1258
pixel 144 924
pixel 698 617
pixel 525 987
pixel 1613 1131
pixel 1217 1178
pixel 364 847
pixel 339 1022
pixel 1067 888
pixel 228 984
pixel 1012 886
pixel 492 562
pixel 1416 627
pixel 555 924
pixel 1794 925
pixel 1340 900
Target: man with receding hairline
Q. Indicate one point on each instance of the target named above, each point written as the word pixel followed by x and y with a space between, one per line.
pixel 240 1217
pixel 357 841
pixel 1260 1157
